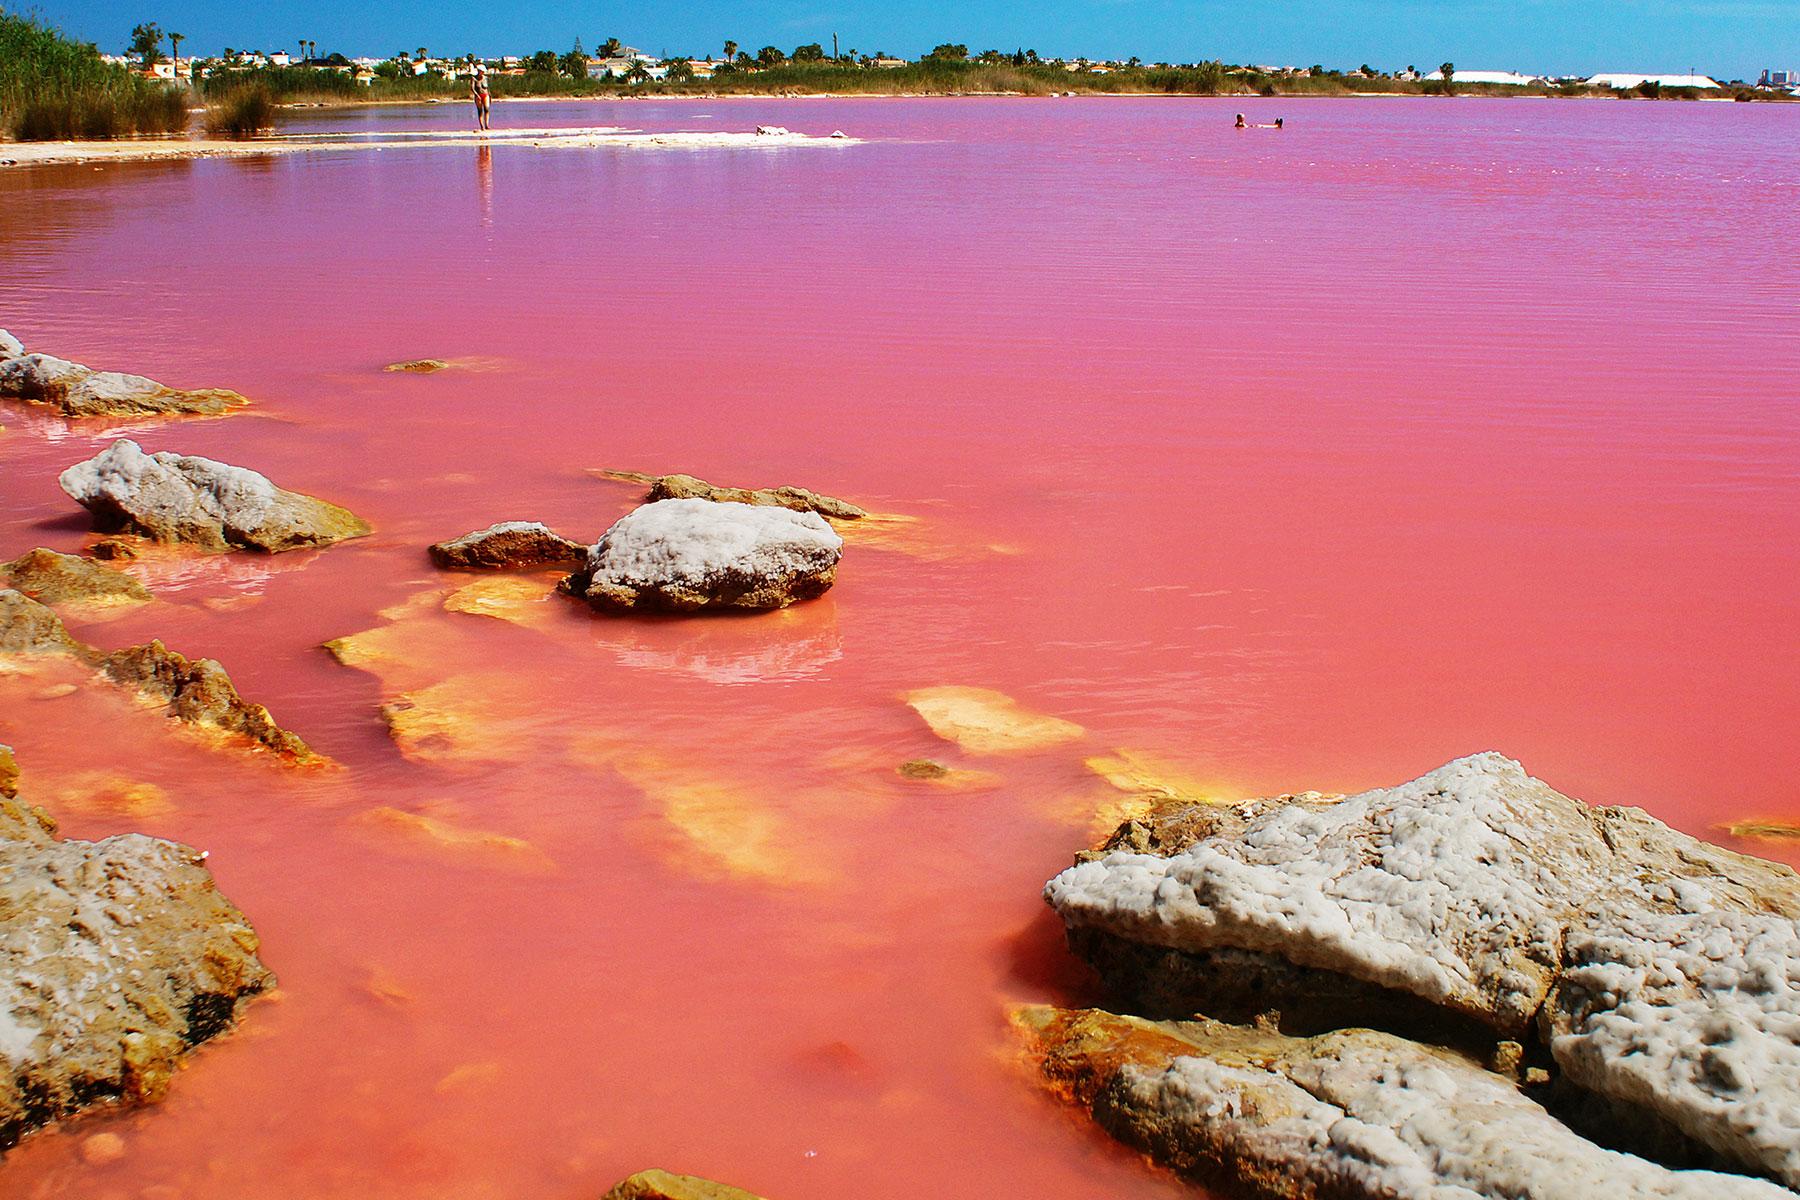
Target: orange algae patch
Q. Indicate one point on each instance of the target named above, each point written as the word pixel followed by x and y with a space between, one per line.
pixel 723 830
pixel 984 721
pixel 418 833
pixel 466 718
pixel 521 599
pixel 103 792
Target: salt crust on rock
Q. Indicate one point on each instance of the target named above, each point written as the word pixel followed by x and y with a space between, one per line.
pixel 75 390
pixel 1659 970
pixel 116 958
pixel 1347 1115
pixel 685 555
pixel 182 498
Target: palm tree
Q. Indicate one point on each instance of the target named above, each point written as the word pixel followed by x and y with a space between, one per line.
pixel 730 49
pixel 421 54
pixel 175 52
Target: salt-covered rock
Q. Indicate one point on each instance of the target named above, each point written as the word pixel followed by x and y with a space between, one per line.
pixel 116 958
pixel 52 578
pixel 665 1185
pixel 772 131
pixel 75 390
pixel 183 498
pixel 1349 1114
pixel 1655 968
pixel 510 545
pixel 10 346
pixel 686 555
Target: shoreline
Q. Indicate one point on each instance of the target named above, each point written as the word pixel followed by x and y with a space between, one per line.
pixel 16 155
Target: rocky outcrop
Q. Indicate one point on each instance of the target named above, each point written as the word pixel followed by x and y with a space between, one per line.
pixel 75 390
pixel 117 957
pixel 510 545
pixel 688 487
pixel 688 555
pixel 181 498
pixel 1348 1115
pixel 197 692
pixel 1650 970
pixel 664 1185
pixel 52 578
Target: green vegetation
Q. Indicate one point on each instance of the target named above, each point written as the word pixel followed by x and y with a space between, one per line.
pixel 52 88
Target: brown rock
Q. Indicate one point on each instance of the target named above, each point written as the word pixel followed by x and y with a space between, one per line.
pixel 52 578
pixel 113 550
pixel 201 693
pixel 689 487
pixel 197 692
pixel 9 773
pixel 510 545
pixel 664 1185
pixel 116 958
pixel 418 366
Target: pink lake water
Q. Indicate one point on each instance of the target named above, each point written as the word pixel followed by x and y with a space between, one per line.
pixel 1284 461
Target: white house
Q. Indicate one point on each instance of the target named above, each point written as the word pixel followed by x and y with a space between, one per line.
pixel 1624 82
pixel 1505 78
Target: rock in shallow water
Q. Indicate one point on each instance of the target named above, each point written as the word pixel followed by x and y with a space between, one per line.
pixel 75 390
pixel 1655 968
pixel 687 487
pixel 52 578
pixel 665 1185
pixel 116 958
pixel 182 498
pixel 687 555
pixel 197 692
pixel 509 545
pixel 1347 1115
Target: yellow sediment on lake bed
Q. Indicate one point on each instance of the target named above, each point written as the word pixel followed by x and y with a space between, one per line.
pixel 725 829
pixel 520 599
pixel 431 835
pixel 1141 774
pixel 984 721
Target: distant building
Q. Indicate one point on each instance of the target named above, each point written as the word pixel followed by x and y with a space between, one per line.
pixel 1504 78
pixel 888 63
pixel 1778 79
pixel 1620 81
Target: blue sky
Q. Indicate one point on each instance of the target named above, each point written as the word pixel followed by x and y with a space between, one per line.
pixel 1732 38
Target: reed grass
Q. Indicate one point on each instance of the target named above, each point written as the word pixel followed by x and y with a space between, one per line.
pixel 241 112
pixel 53 88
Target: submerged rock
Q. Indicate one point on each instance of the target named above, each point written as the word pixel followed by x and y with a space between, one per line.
pixel 665 1185
pixel 687 487
pixel 116 958
pixel 509 545
pixel 181 498
pixel 687 555
pixel 1653 968
pixel 197 692
pixel 52 578
pixel 1346 1115
pixel 418 366
pixel 75 390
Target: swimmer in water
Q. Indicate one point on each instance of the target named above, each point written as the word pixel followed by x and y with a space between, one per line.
pixel 1240 122
pixel 1279 122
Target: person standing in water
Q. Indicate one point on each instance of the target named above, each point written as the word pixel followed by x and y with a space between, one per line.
pixel 478 92
pixel 1240 122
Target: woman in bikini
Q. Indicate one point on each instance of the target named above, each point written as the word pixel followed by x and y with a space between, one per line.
pixel 478 92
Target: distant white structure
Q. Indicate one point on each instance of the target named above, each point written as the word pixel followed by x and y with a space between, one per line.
pixel 1508 78
pixel 1624 82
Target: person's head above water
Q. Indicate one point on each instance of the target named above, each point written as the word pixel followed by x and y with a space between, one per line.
pixel 1240 120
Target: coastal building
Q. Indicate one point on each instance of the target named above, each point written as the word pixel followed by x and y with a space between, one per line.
pixel 888 64
pixel 1503 78
pixel 1623 81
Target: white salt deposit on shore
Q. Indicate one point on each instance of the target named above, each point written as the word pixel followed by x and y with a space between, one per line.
pixel 27 154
